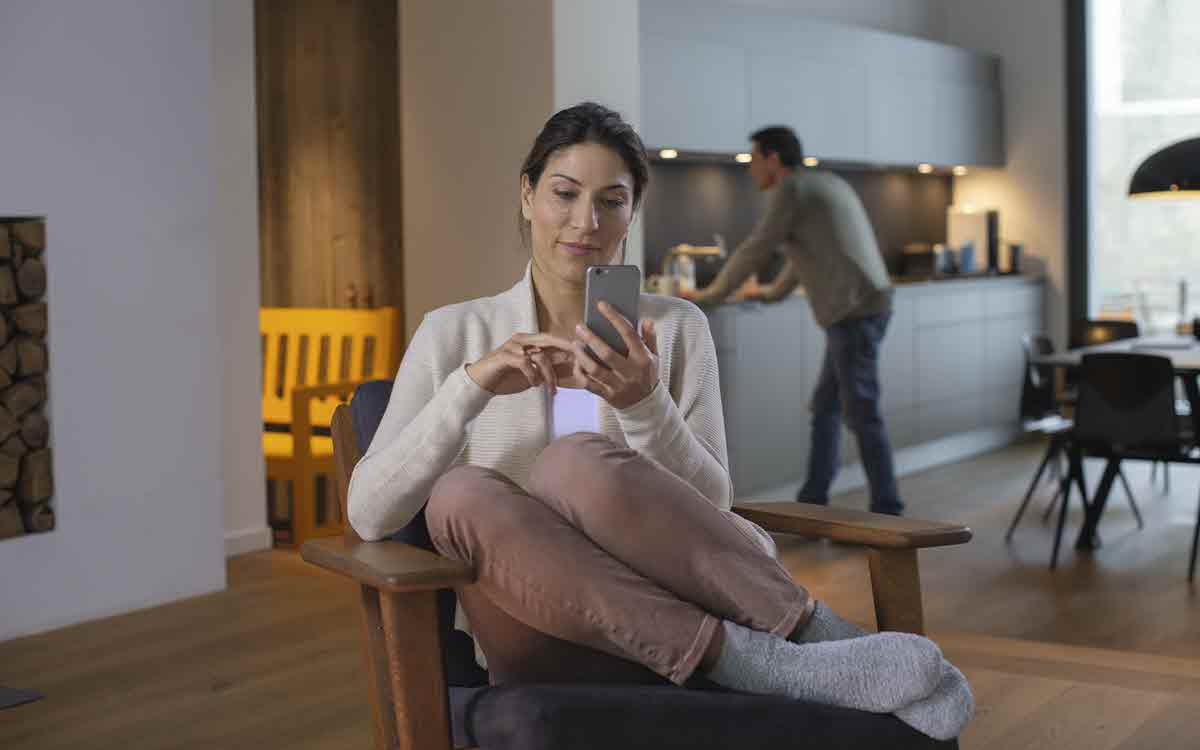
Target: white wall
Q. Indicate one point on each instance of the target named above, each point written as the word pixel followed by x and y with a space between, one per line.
pixel 234 143
pixel 1031 191
pixel 596 59
pixel 106 131
pixel 476 86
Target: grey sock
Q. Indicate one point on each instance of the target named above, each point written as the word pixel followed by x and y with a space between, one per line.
pixel 880 673
pixel 826 626
pixel 943 714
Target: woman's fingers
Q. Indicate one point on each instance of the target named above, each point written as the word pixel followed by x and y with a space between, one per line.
pixel 517 357
pixel 545 366
pixel 601 351
pixel 624 327
pixel 648 336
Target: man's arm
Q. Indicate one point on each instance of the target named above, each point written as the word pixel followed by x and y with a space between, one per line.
pixel 754 251
pixel 784 284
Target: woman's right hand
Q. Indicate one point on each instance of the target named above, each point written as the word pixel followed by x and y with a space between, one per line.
pixel 524 361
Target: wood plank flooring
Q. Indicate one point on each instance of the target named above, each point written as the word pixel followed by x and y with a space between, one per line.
pixel 274 661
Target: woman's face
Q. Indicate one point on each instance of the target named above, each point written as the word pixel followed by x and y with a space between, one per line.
pixel 579 212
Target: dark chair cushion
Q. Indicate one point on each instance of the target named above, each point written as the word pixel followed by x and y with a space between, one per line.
pixel 458 650
pixel 603 717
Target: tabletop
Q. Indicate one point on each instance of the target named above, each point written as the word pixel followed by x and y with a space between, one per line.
pixel 1183 351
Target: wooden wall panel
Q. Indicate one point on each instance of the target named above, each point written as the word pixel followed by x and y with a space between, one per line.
pixel 329 151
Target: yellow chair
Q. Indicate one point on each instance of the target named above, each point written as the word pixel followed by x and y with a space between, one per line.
pixel 313 359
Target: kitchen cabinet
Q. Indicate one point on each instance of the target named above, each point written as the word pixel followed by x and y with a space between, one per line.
pixel 951 366
pixel 680 76
pixel 711 75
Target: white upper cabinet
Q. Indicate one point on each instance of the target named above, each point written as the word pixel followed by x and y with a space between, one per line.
pixel 698 90
pixel 713 74
pixel 821 100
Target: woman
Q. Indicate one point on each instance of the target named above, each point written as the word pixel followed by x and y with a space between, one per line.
pixel 591 494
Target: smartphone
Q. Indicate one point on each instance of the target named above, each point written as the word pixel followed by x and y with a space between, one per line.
pixel 619 286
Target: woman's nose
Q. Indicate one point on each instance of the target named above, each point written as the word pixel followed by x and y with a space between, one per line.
pixel 586 216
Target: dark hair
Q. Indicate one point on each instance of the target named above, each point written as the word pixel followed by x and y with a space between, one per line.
pixel 587 123
pixel 782 140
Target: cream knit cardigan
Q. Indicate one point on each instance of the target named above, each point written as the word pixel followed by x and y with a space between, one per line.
pixel 438 417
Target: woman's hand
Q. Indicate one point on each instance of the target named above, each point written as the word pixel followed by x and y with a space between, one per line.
pixel 524 361
pixel 621 381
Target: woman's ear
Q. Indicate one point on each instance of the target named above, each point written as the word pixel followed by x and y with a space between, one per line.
pixel 526 198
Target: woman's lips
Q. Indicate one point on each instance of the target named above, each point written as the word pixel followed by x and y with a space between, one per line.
pixel 577 249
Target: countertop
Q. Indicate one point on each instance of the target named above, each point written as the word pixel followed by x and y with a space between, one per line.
pixel 918 284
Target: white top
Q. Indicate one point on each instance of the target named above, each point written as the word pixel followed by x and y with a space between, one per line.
pixel 438 417
pixel 575 410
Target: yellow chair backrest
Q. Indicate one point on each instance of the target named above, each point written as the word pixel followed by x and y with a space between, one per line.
pixel 314 346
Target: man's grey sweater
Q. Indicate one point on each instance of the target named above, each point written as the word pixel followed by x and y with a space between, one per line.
pixel 816 219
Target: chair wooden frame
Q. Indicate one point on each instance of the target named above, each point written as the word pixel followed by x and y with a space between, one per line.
pixel 399 585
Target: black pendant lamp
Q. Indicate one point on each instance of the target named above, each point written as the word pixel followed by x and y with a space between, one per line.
pixel 1171 172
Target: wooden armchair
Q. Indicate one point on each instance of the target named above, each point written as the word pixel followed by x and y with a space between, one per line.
pixel 405 662
pixel 313 359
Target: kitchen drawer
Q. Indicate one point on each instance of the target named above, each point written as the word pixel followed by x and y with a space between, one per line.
pixel 949 361
pixel 950 416
pixel 1013 301
pixel 936 308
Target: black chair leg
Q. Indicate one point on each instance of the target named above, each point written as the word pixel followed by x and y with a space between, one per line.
pixel 1137 513
pixel 1062 519
pixel 1195 539
pixel 1051 452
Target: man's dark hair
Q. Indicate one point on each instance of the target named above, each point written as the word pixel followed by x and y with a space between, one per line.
pixel 782 140
pixel 587 123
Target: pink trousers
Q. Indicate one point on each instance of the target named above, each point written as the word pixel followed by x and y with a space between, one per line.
pixel 609 569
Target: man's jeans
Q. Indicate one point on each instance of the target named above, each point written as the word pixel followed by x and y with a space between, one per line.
pixel 849 386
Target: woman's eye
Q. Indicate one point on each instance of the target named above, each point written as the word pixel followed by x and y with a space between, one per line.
pixel 564 194
pixel 615 202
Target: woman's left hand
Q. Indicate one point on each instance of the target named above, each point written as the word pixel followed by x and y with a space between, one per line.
pixel 621 381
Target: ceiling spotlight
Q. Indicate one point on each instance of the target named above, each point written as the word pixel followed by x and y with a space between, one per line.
pixel 811 161
pixel 742 158
pixel 668 153
pixel 959 171
pixel 924 168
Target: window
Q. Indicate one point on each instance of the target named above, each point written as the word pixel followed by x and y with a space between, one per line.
pixel 1144 94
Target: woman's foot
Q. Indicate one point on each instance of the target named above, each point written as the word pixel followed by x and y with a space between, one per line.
pixel 881 673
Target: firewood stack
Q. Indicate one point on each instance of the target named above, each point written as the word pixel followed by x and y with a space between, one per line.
pixel 26 478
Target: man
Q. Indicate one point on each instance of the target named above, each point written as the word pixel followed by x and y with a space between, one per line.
pixel 818 222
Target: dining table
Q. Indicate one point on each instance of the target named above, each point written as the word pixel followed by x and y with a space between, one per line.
pixel 1184 353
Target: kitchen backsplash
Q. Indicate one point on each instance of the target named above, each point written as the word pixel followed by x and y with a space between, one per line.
pixel 688 202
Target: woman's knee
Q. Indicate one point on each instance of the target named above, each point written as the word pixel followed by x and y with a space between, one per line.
pixel 461 492
pixel 582 457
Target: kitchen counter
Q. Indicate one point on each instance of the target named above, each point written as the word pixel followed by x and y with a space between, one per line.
pixel 951 368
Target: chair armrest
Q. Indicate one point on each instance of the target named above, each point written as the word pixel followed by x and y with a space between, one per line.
pixel 853 526
pixel 389 566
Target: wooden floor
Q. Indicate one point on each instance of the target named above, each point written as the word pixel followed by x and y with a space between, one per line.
pixel 274 661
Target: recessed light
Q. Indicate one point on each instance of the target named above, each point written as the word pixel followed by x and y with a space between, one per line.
pixel 811 161
pixel 924 168
pixel 742 158
pixel 668 153
pixel 959 171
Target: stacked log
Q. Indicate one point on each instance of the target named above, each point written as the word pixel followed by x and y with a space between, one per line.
pixel 26 471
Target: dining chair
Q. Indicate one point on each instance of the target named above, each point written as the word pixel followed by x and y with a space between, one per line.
pixel 1127 411
pixel 1093 332
pixel 1041 414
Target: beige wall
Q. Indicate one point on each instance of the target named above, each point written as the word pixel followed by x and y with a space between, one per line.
pixel 1031 190
pixel 476 85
